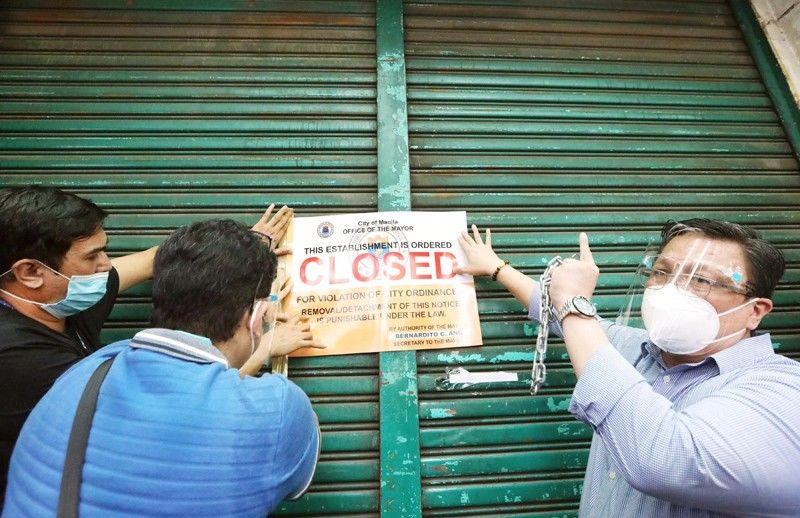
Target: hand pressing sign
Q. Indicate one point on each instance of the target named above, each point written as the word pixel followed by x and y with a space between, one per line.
pixel 275 227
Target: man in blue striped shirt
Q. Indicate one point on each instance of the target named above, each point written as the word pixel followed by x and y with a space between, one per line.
pixel 695 415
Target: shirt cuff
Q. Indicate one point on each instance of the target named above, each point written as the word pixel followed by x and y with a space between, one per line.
pixel 605 379
pixel 535 310
pixel 535 302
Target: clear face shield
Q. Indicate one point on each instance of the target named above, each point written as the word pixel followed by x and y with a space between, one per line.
pixel 672 288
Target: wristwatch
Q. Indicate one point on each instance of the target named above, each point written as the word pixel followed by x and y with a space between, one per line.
pixel 578 305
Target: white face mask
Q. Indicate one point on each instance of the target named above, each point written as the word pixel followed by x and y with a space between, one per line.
pixel 680 322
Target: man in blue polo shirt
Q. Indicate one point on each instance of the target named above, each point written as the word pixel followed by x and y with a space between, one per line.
pixel 180 428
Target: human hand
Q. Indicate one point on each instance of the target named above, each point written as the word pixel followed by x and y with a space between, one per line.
pixel 575 276
pixel 481 259
pixel 292 332
pixel 275 226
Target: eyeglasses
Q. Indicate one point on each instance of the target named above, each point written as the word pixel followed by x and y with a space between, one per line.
pixel 696 284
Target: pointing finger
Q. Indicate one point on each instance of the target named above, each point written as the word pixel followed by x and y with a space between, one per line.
pixel 586 253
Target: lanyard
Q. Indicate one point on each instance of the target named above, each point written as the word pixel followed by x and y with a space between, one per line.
pixel 80 339
pixel 75 331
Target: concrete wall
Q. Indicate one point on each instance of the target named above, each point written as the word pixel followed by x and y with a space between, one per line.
pixel 780 20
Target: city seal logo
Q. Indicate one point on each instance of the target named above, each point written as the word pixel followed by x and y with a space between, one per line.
pixel 325 229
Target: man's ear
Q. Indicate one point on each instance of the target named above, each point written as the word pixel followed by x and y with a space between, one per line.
pixel 244 322
pixel 761 307
pixel 29 273
pixel 254 320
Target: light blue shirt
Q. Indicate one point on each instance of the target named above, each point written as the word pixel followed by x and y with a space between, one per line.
pixel 715 438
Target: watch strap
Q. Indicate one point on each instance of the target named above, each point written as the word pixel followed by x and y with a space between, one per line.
pixel 569 308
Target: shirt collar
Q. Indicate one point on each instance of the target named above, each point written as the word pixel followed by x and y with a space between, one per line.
pixel 179 344
pixel 743 353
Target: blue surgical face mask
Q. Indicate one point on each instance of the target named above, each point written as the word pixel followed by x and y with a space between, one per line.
pixel 83 292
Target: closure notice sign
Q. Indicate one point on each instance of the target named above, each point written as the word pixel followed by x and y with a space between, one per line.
pixel 382 281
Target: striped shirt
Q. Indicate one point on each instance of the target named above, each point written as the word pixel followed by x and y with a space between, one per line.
pixel 179 344
pixel 717 438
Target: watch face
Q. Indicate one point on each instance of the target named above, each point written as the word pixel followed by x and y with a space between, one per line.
pixel 584 306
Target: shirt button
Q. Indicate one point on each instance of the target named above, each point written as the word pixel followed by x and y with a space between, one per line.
pixel 667 378
pixel 612 474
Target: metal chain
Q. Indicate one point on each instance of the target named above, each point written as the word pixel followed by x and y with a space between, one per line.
pixel 539 371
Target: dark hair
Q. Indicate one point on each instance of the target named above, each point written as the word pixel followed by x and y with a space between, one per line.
pixel 42 223
pixel 206 276
pixel 765 263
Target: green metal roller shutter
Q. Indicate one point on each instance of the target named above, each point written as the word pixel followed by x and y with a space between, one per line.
pixel 607 116
pixel 167 115
pixel 543 119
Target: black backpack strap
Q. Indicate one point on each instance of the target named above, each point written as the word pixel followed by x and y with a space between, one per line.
pixel 69 499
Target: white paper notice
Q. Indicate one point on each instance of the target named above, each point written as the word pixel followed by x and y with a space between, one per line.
pixel 462 375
